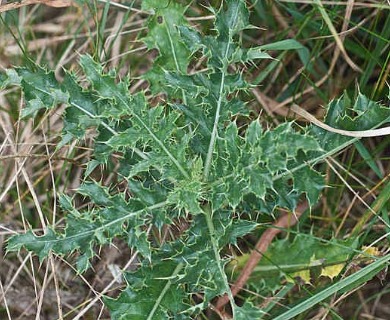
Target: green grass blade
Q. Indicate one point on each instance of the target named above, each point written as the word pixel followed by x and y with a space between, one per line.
pixel 350 282
pixel 366 155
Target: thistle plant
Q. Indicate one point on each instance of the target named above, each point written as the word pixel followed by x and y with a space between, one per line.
pixel 186 158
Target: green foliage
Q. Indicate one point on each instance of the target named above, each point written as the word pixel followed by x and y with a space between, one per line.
pixel 304 259
pixel 185 158
pixel 164 36
pixel 361 114
pixel 348 283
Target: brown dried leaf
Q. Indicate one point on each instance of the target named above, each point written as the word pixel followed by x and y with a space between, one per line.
pixel 51 3
pixel 57 3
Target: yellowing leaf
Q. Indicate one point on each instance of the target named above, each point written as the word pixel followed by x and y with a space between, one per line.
pixel 332 271
pixel 303 276
pixel 372 251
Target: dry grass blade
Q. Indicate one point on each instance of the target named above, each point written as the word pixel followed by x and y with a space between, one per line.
pixel 51 3
pixel 342 3
pixel 5 300
pixel 357 134
pixel 337 39
pixel 372 210
pixel 105 290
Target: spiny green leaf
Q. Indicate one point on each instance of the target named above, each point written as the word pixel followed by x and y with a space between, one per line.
pixel 153 293
pixel 86 229
pixel 164 36
pixel 251 164
pixel 83 109
pixel 238 229
pixel 309 181
pixel 248 312
pixel 41 89
pixel 30 241
pixel 231 19
pixel 362 114
pixel 9 78
pixel 105 84
pixel 148 127
pixel 187 193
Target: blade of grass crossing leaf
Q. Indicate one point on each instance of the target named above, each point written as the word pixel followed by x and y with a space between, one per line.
pixel 284 45
pixel 366 155
pixel 214 243
pixel 349 282
pixel 164 291
pixel 268 69
pixel 278 296
pixel 183 92
pixel 385 217
pixel 289 44
pixel 214 133
pixel 302 51
pixel 359 134
pixel 174 55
